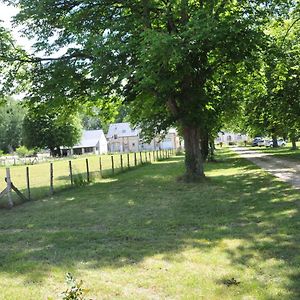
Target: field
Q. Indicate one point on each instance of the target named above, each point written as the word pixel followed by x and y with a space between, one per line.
pixel 40 173
pixel 143 235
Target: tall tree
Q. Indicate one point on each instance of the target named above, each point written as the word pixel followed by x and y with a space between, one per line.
pixel 50 128
pixel 159 56
pixel 11 120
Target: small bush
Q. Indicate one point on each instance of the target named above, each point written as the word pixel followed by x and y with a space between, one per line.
pixel 1 152
pixel 179 153
pixel 22 151
pixel 75 290
pixel 79 180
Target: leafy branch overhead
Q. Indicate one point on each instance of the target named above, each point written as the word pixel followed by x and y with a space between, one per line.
pixel 172 63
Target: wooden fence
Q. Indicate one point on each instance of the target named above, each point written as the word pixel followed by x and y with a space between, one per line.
pixel 118 163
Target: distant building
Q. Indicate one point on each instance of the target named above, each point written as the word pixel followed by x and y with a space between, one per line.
pixel 230 137
pixel 92 142
pixel 123 138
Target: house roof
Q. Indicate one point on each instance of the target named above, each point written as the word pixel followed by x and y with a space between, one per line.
pixel 90 138
pixel 121 130
pixel 172 130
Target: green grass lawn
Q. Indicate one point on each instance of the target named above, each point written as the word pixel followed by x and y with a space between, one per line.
pixel 282 152
pixel 142 235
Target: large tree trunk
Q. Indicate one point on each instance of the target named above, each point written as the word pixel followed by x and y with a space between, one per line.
pixel 204 145
pixel 193 156
pixel 274 139
pixel 211 150
pixel 293 140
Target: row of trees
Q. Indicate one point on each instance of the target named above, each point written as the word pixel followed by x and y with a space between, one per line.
pixel 192 64
pixel 41 126
pixel 271 95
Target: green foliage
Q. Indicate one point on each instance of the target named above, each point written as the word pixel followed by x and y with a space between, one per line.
pixel 270 96
pixel 11 119
pixel 12 64
pixel 79 180
pixel 173 63
pixel 22 151
pixel 52 128
pixel 75 290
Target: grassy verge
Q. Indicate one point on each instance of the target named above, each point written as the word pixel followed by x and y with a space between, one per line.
pixel 142 235
pixel 282 152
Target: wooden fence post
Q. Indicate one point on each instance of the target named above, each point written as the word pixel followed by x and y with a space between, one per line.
pixel 51 179
pixel 141 159
pixel 135 161
pixel 146 157
pixel 149 156
pixel 128 161
pixel 8 183
pixel 100 166
pixel 28 183
pixel 112 165
pixel 121 161
pixel 71 172
pixel 87 170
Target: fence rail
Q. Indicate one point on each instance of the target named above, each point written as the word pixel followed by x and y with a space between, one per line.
pixel 44 179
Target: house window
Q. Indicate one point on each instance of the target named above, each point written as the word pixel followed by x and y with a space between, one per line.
pixel 229 138
pixel 124 131
pixel 133 144
pixel 115 136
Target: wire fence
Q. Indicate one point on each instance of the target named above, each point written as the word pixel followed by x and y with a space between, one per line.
pixel 46 178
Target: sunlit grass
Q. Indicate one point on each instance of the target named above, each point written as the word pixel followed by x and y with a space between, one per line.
pixel 282 152
pixel 40 173
pixel 143 235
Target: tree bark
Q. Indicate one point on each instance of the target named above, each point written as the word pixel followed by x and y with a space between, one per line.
pixel 193 156
pixel 293 140
pixel 274 139
pixel 211 150
pixel 204 145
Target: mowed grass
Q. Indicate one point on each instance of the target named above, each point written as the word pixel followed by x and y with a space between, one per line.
pixel 282 152
pixel 40 173
pixel 142 235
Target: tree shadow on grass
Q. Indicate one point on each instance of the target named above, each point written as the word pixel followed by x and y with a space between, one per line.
pixel 136 215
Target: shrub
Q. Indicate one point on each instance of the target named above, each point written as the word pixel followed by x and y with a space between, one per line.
pixel 22 151
pixel 75 290
pixel 79 180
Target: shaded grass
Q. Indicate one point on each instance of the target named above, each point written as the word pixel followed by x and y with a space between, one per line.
pixel 142 235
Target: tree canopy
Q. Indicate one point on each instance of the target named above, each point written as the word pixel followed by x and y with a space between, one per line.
pixel 11 120
pixel 170 62
pixel 50 128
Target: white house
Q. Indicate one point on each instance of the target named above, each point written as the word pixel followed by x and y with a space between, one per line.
pixel 230 137
pixel 92 142
pixel 123 138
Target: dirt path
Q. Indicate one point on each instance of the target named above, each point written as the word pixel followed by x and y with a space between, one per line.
pixel 287 171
